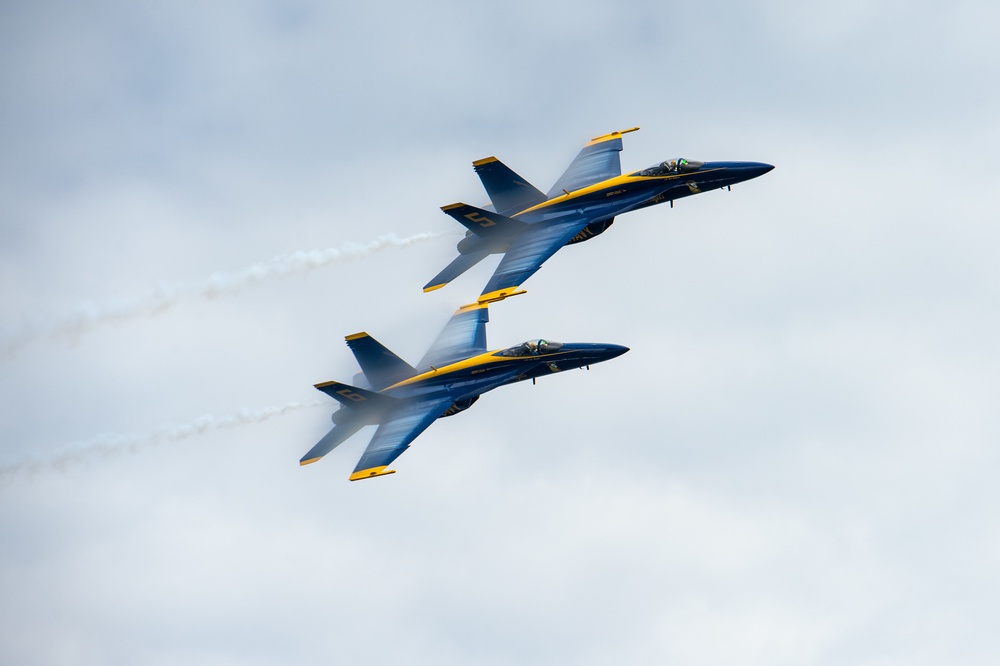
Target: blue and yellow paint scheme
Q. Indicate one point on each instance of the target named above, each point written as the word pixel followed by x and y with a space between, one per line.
pixel 404 400
pixel 528 227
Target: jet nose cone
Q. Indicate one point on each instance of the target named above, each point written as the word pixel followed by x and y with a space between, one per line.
pixel 587 353
pixel 754 169
pixel 738 172
pixel 606 352
pixel 747 170
pixel 614 351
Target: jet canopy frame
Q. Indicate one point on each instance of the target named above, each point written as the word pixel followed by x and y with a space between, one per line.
pixel 531 348
pixel 679 165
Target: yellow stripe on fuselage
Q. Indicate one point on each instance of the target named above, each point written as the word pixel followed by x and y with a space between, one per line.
pixel 610 183
pixel 482 359
pixel 488 358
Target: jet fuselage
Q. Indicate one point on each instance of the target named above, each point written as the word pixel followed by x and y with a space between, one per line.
pixel 475 375
pixel 601 202
pixel 640 189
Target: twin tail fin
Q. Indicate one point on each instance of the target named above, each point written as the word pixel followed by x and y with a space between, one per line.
pixel 508 191
pixel 381 367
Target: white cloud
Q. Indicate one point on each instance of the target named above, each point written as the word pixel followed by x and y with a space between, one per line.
pixel 792 464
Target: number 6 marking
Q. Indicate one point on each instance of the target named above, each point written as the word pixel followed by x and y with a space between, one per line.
pixel 351 395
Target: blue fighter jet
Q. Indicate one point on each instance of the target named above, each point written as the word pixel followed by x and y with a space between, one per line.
pixel 404 400
pixel 528 227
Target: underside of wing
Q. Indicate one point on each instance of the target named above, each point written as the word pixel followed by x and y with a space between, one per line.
pixel 463 336
pixel 599 160
pixel 394 436
pixel 526 255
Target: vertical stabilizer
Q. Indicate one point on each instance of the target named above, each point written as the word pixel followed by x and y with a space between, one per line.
pixel 381 367
pixel 508 191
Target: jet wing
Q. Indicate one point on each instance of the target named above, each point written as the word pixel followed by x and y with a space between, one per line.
pixel 394 436
pixel 599 160
pixel 463 336
pixel 526 255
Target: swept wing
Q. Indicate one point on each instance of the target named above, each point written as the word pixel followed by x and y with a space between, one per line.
pixel 463 336
pixel 393 437
pixel 599 160
pixel 526 255
pixel 395 434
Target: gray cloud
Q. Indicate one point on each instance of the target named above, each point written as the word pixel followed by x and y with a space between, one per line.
pixel 792 465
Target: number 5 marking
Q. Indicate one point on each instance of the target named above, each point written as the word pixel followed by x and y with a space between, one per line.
pixel 481 220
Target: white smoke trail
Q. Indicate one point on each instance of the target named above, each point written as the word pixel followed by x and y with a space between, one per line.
pixel 110 444
pixel 90 315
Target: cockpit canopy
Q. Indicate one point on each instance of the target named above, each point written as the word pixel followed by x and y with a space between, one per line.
pixel 680 165
pixel 531 348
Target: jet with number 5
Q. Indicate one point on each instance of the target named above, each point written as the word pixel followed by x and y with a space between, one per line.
pixel 528 227
pixel 404 400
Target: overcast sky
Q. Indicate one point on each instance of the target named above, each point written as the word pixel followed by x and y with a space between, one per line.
pixel 795 464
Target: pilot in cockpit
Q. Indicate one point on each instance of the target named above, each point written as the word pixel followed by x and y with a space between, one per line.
pixel 670 167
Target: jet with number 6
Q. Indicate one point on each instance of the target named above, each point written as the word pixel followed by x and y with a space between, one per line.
pixel 404 400
pixel 528 227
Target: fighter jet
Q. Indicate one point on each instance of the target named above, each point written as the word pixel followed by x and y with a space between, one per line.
pixel 404 400
pixel 528 227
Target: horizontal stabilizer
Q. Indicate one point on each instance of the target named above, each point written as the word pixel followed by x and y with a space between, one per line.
pixel 340 434
pixel 381 367
pixel 356 398
pixel 484 223
pixel 459 265
pixel 508 191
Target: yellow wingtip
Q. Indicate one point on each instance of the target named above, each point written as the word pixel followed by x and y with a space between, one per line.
pixel 434 287
pixel 371 473
pixel 485 160
pixel 500 294
pixel 355 336
pixel 303 463
pixel 613 135
pixel 472 306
